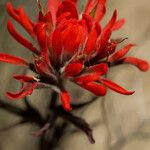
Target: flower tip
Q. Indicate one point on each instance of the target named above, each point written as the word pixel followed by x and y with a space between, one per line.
pixel 144 66
pixel 130 93
pixel 65 99
pixel 10 96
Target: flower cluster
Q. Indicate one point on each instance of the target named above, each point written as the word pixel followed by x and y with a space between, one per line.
pixel 69 47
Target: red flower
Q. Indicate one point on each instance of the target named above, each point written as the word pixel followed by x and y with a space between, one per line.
pixel 72 47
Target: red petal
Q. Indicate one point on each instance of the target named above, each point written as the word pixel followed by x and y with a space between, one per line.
pixel 72 38
pixel 112 21
pixel 20 16
pixel 40 31
pixel 88 21
pixel 53 7
pixel 63 17
pixel 47 18
pixel 57 45
pixel 95 88
pixel 90 6
pixel 102 41
pixel 120 53
pixel 13 60
pixel 141 64
pixel 23 78
pixel 106 33
pixel 84 79
pixel 26 90
pixel 65 99
pixel 11 12
pixel 118 24
pixel 20 38
pixel 73 69
pixel 100 10
pixel 91 41
pixel 113 86
pixel 100 68
pixel 25 21
pixel 67 6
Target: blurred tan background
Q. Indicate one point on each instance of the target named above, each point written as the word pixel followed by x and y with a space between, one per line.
pixel 124 124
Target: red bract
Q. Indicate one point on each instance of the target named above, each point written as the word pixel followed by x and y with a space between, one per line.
pixel 70 47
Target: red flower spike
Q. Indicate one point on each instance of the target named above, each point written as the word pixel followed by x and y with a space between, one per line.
pixel 65 99
pixel 26 90
pixel 100 68
pixel 53 7
pixel 23 78
pixel 77 49
pixel 120 53
pixel 73 69
pixel 141 64
pixel 20 38
pixel 95 88
pixel 113 86
pixel 118 24
pixel 13 60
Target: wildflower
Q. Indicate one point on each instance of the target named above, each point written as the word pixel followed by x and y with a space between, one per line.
pixel 70 47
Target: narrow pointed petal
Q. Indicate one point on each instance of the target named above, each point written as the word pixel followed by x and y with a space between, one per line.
pixel 112 22
pixel 20 16
pixel 91 5
pixel 65 99
pixel 100 68
pixel 115 87
pixel 95 88
pixel 88 20
pixel 91 41
pixel 26 90
pixel 141 64
pixel 24 78
pixel 13 60
pixel 106 33
pixel 102 41
pixel 100 10
pixel 120 53
pixel 11 12
pixel 25 21
pixel 118 24
pixel 20 38
pixel 57 45
pixel 53 7
pixel 73 69
pixel 40 31
pixel 84 79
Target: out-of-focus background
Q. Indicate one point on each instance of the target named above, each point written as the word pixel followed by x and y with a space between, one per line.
pixel 125 122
